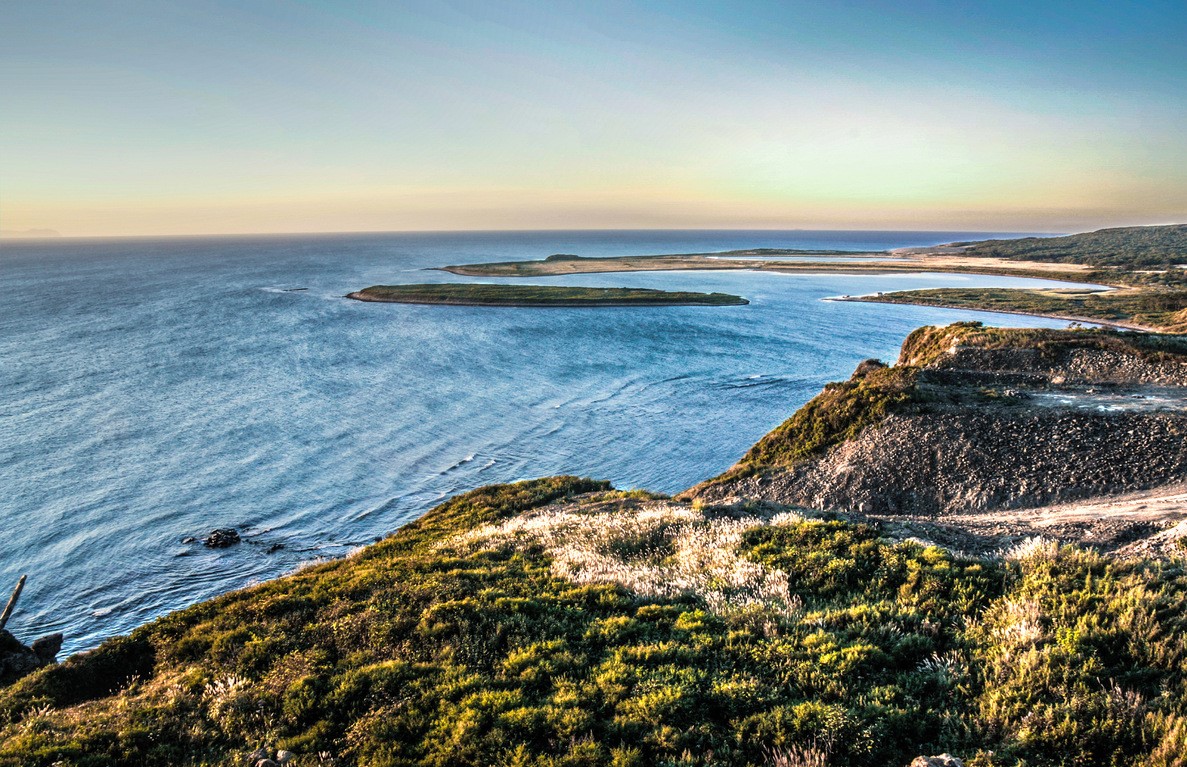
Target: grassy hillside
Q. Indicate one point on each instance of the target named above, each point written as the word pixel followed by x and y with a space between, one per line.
pixel 1164 310
pixel 1130 247
pixel 438 648
pixel 836 414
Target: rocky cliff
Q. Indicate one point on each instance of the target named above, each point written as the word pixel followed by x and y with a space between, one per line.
pixel 988 419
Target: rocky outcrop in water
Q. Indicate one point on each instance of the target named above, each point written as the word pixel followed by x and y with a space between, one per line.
pixel 222 538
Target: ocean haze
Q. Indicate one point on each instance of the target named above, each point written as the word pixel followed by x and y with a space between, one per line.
pixel 158 388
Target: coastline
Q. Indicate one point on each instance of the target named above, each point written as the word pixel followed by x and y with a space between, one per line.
pixel 537 304
pixel 569 568
pixel 537 296
pixel 1131 297
pixel 880 263
pixel 1116 324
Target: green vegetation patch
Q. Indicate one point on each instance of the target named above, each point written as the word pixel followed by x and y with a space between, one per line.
pixel 834 416
pixel 925 346
pixel 1162 309
pixel 1130 247
pixel 417 651
pixel 470 294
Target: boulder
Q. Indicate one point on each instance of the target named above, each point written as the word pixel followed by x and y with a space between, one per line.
pixel 222 538
pixel 47 647
pixel 17 660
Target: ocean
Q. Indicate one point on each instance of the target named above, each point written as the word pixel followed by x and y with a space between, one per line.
pixel 155 389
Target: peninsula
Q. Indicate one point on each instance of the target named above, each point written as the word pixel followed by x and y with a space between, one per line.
pixel 1141 268
pixel 467 294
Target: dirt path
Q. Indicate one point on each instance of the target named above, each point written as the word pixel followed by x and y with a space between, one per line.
pixel 1148 523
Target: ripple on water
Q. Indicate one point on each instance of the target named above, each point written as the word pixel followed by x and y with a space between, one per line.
pixel 155 390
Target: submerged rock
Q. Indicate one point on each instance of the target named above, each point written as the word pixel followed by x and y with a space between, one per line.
pixel 222 537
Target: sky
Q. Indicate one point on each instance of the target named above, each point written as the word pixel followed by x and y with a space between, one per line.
pixel 203 117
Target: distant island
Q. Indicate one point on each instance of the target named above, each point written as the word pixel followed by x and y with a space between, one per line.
pixel 1144 265
pixel 455 294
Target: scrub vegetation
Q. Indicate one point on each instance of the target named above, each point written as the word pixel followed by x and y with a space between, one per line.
pixel 486 634
pixel 1133 247
pixel 1164 310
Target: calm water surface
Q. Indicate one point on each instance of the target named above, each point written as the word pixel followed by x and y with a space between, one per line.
pixel 156 389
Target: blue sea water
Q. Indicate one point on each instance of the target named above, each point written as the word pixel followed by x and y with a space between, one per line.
pixel 154 389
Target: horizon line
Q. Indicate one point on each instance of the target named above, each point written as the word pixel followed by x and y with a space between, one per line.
pixel 18 237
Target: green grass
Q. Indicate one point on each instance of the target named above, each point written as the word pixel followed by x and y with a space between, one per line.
pixel 925 345
pixel 835 415
pixel 472 294
pixel 1132 247
pixel 1162 309
pixel 417 652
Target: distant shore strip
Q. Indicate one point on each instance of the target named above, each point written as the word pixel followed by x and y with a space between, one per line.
pixel 557 296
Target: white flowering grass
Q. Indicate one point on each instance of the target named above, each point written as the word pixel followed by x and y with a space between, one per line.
pixel 662 549
pixel 1035 548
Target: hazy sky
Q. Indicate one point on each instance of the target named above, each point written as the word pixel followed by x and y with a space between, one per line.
pixel 202 117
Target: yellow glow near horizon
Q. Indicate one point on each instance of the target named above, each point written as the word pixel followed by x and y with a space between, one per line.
pixel 773 115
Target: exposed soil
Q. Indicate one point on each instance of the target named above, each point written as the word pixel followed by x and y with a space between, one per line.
pixel 1074 442
pixel 1148 524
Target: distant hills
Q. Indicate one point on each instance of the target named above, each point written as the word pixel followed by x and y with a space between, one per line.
pixel 1130 246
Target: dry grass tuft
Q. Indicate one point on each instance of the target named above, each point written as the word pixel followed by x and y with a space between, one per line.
pixel 664 550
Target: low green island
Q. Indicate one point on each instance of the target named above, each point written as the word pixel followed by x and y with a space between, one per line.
pixel 463 294
pixel 1143 265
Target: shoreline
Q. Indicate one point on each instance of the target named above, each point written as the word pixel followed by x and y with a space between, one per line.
pixel 1116 324
pixel 866 262
pixel 539 304
pixel 873 268
pixel 537 296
